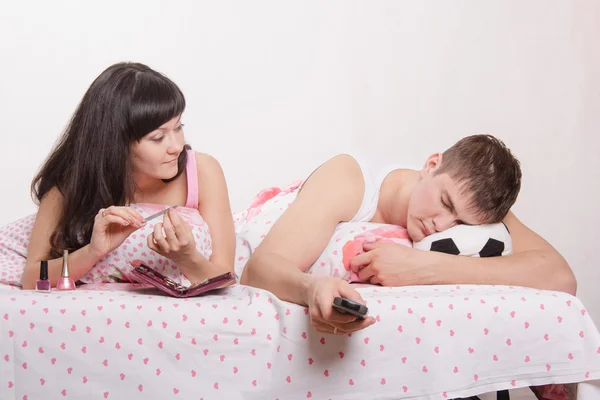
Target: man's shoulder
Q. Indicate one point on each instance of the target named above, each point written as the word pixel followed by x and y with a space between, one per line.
pixel 343 171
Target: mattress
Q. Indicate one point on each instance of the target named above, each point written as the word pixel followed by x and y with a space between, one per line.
pixel 128 341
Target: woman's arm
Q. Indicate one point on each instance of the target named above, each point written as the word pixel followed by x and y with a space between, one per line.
pixel 111 228
pixel 214 206
pixel 80 261
pixel 178 243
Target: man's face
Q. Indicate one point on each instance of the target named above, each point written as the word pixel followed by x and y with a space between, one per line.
pixel 438 203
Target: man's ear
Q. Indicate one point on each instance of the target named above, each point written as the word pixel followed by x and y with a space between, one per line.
pixel 433 162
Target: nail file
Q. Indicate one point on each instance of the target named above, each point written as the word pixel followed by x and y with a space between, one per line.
pixel 158 214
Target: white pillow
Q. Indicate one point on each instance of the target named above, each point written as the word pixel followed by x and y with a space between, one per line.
pixel 470 240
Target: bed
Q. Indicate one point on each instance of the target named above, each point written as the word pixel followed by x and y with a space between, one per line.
pixel 128 341
pixel 435 342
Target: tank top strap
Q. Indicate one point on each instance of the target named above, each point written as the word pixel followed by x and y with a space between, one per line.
pixel 191 171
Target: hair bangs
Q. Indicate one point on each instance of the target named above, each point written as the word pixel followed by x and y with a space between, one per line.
pixel 155 100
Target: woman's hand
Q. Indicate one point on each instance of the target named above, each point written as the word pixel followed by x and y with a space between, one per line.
pixel 173 239
pixel 324 317
pixel 112 226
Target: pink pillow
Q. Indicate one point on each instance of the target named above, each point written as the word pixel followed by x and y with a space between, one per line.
pixel 14 239
pixel 115 266
pixel 347 242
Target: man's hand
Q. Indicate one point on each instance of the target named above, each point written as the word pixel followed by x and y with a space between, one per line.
pixel 324 317
pixel 390 264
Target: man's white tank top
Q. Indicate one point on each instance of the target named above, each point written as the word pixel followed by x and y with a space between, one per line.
pixel 374 177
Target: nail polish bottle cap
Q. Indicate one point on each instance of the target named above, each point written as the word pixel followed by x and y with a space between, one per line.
pixel 65 267
pixel 44 270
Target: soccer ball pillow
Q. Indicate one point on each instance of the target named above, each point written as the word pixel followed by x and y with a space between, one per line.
pixel 489 240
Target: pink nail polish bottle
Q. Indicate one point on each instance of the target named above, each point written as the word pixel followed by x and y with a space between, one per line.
pixel 65 282
pixel 43 284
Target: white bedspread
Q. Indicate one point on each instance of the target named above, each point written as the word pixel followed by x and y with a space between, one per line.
pixel 429 343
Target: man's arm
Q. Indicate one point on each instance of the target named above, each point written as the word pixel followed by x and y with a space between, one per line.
pixel 534 263
pixel 332 194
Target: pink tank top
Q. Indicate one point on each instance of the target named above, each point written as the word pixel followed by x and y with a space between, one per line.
pixel 191 172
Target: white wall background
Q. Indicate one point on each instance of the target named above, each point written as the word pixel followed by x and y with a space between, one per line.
pixel 274 88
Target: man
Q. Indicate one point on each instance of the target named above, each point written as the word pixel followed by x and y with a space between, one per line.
pixel 474 182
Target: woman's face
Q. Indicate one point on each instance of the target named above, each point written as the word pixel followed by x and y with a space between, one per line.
pixel 156 154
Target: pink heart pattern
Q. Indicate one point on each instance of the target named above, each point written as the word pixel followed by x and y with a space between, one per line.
pixel 142 367
pixel 115 266
pixel 453 336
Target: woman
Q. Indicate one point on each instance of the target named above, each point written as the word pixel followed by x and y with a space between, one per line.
pixel 125 145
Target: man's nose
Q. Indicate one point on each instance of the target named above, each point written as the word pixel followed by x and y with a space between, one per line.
pixel 444 221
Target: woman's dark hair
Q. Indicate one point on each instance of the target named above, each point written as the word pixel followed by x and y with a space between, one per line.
pixel 90 163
